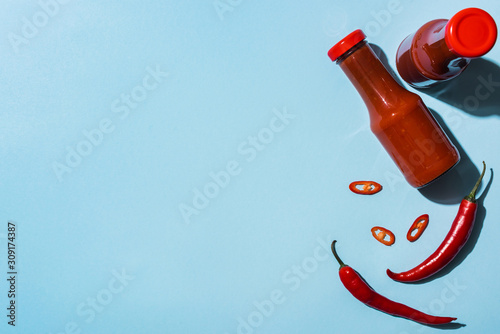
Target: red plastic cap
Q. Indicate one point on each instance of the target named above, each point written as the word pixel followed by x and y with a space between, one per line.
pixel 471 33
pixel 345 44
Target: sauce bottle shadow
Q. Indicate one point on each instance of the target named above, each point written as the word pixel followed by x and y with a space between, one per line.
pixel 476 90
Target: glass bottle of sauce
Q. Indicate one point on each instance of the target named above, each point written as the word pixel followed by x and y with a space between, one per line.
pixel 442 49
pixel 398 118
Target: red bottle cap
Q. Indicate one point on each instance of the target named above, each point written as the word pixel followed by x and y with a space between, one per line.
pixel 471 33
pixel 345 44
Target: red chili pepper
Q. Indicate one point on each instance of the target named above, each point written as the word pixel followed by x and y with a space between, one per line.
pixel 452 243
pixel 364 293
pixel 380 233
pixel 419 225
pixel 368 187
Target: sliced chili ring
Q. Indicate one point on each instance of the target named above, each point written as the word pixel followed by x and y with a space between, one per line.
pixel 383 235
pixel 419 226
pixel 365 187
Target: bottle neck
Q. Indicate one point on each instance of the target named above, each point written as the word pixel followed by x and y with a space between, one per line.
pixel 374 83
pixel 437 41
pixel 432 55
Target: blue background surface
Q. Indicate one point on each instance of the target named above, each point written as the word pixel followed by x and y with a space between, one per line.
pixel 110 241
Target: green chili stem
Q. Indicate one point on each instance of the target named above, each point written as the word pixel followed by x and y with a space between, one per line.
pixel 472 196
pixel 336 255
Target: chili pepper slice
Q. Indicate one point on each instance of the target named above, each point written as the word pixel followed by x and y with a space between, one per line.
pixel 419 225
pixel 456 238
pixel 365 187
pixel 381 234
pixel 357 286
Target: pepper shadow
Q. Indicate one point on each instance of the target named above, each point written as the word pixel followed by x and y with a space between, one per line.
pixel 452 325
pixel 471 242
pixel 476 90
pixel 455 184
